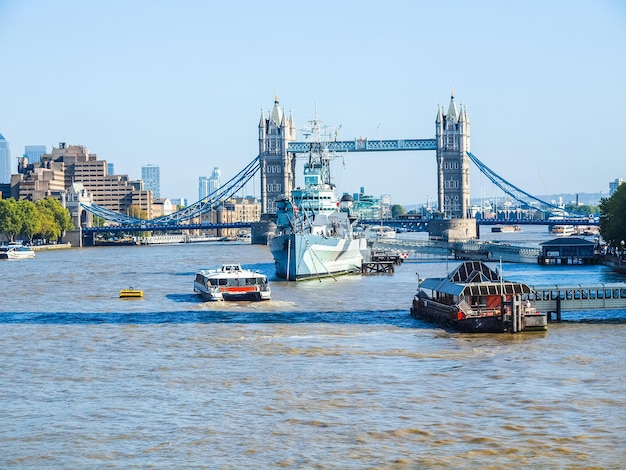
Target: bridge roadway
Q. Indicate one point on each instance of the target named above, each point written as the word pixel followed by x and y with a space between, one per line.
pixel 417 224
pixel 364 145
pixel 163 227
pixel 473 249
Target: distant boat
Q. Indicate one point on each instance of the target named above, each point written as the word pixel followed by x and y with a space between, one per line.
pixel 375 233
pixel 505 228
pixel 231 282
pixel 15 251
pixel 563 230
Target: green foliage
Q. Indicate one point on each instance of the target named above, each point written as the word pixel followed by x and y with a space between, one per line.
pixel 583 209
pixel 135 211
pixel 613 217
pixel 31 221
pixel 10 219
pixel 46 218
pixel 397 210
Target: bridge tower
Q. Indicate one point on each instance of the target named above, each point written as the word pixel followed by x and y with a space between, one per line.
pixel 453 176
pixel 277 165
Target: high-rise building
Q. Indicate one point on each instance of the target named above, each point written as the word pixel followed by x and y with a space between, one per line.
pixel 203 187
pixel 613 185
pixel 110 168
pixel 69 164
pixel 34 152
pixel 208 185
pixel 215 180
pixel 5 161
pixel 151 176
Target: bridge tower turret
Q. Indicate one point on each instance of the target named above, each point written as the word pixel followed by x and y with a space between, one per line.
pixel 277 166
pixel 453 176
pixel 453 143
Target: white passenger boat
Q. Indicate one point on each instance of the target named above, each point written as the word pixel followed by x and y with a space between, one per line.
pixel 314 235
pixel 231 282
pixel 15 251
pixel 563 230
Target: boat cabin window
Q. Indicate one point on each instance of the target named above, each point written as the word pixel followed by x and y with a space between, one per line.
pixel 231 268
pixel 312 180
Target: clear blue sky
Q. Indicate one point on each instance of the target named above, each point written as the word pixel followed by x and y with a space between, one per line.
pixel 181 85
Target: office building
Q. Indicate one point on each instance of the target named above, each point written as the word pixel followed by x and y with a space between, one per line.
pixel 34 152
pixel 151 176
pixel 208 185
pixel 613 185
pixel 179 202
pixel 215 180
pixel 57 171
pixel 5 161
pixel 203 187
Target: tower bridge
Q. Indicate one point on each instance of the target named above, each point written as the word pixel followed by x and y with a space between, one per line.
pixel 276 164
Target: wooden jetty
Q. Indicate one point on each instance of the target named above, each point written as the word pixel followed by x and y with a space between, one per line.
pixel 382 262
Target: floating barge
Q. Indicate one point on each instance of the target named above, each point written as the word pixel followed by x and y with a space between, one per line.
pixel 475 299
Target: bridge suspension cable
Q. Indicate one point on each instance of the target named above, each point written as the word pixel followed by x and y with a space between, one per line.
pixel 516 193
pixel 226 191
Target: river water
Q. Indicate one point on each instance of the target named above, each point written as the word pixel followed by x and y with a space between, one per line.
pixel 330 374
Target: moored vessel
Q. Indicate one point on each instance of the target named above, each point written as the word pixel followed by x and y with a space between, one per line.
pixel 231 282
pixel 563 230
pixel 475 299
pixel 375 233
pixel 314 235
pixel 505 228
pixel 15 251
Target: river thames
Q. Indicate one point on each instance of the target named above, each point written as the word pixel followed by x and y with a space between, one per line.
pixel 330 374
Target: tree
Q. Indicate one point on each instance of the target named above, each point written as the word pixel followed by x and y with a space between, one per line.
pixel 49 228
pixel 10 218
pixel 60 216
pixel 583 209
pixel 136 212
pixel 613 217
pixel 397 210
pixel 31 221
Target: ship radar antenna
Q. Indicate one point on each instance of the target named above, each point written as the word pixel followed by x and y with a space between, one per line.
pixel 337 132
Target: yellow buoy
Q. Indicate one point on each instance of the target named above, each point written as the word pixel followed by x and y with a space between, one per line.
pixel 130 293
